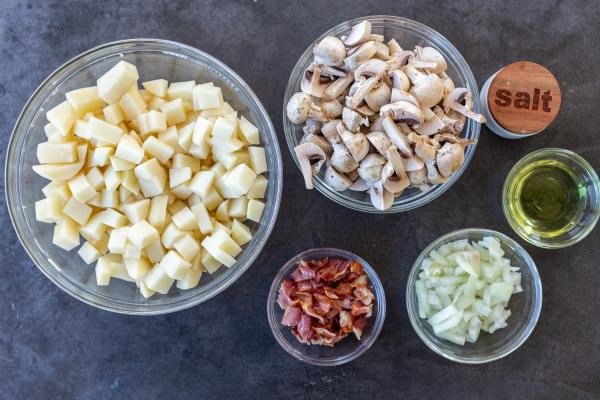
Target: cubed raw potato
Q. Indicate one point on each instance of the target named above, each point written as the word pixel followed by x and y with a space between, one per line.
pixel 119 271
pixel 50 130
pixel 176 206
pixel 132 104
pixel 191 280
pixel 54 153
pixel 226 243
pixel 185 219
pixel 124 194
pixel 239 179
pixel 77 211
pixel 222 213
pixel 100 156
pixel 258 188
pixel 157 279
pixel 141 234
pixel 136 211
pixel 230 146
pixel 229 160
pixel 187 247
pixel 132 252
pixel 103 131
pixel 101 244
pixel 146 95
pixel 113 218
pixel 177 176
pixel 80 129
pixel 202 131
pixel 183 90
pixel 224 129
pixel 109 198
pixel 118 164
pixel 157 215
pixel 137 267
pixel 212 199
pixel 57 189
pixel 157 87
pixel 95 201
pixel 202 182
pixel 158 149
pixel 238 207
pixel 182 160
pixel 103 271
pixel 170 235
pixel 66 234
pixel 112 178
pixel 85 100
pixel 151 122
pixel 218 111
pixel 145 290
pixel 218 226
pixel 130 182
pixel 240 232
pixel 155 251
pixel 95 178
pixel 81 188
pixel 255 210
pixel 49 210
pixel 113 114
pixel 218 169
pixel 212 247
pixel 169 136
pixel 174 111
pixel 209 263
pixel 129 150
pixel 202 218
pixel 174 265
pixel 258 159
pixel 58 172
pixel 118 240
pixel 151 177
pixel 62 117
pixel 155 103
pixel 93 228
pixel 88 253
pixel 117 81
pixel 205 97
pixel 249 131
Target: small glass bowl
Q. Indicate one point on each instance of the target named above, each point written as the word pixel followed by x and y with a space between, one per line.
pixel 408 33
pixel 525 306
pixel 154 59
pixel 589 211
pixel 347 349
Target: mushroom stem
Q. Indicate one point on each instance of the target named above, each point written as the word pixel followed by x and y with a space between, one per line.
pixel 310 158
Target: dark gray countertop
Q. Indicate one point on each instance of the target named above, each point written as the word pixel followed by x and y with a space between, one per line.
pixel 55 347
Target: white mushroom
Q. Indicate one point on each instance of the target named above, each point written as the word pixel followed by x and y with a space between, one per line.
pixel 400 95
pixel 391 181
pixel 312 126
pixel 371 166
pixel 362 91
pixel 380 197
pixel 454 102
pixel 353 120
pixel 331 109
pixel 431 55
pixel 359 34
pixel 364 52
pixel 329 130
pixel 383 52
pixel 311 158
pixel 448 83
pixel 428 88
pixel 399 140
pixel 403 111
pixel 418 177
pixel 357 144
pixel 428 153
pixel 380 141
pixel 337 87
pixel 393 46
pixel 400 80
pixel 372 67
pixel 360 185
pixel 336 180
pixel 378 96
pixel 453 125
pixel 376 38
pixel 431 125
pixel 311 83
pixel 300 108
pixel 450 157
pixel 341 159
pixel 330 51
pixel 319 141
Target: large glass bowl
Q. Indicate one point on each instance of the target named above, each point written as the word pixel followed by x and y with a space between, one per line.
pixel 154 59
pixel 408 33
pixel 525 307
pixel 347 349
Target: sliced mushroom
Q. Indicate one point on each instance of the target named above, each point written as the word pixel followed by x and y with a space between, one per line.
pixel 319 141
pixel 377 125
pixel 376 37
pixel 359 34
pixel 364 52
pixel 396 136
pixel 337 87
pixel 431 55
pixel 372 67
pixel 357 144
pixel 448 83
pixel 431 125
pixel 329 130
pixel 380 141
pixel 312 84
pixel 393 182
pixel 400 95
pixel 311 158
pixel 359 95
pixel 400 80
pixel 383 52
pixel 353 175
pixel 333 72
pixel 336 180
pixel 453 125
pixel 378 97
pixel 454 102
pixel 427 152
pixel 398 60
pixel 371 166
pixel 353 120
pixel 418 177
pixel 428 88
pixel 330 51
pixel 360 185
pixel 300 108
pixel 312 126
pixel 331 109
pixel 341 159
pixel 403 111
pixel 450 157
pixel 380 197
pixel 365 111
pixel 393 46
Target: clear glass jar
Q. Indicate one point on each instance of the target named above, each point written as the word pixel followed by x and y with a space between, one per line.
pixel 154 59
pixel 408 33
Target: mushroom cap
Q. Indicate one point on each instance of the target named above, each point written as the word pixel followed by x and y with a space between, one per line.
pixel 400 80
pixel 429 54
pixel 319 141
pixel 341 159
pixel 336 180
pixel 418 177
pixel 358 34
pixel 396 136
pixel 310 157
pixel 393 183
pixel 298 108
pixel 359 95
pixel 372 67
pixel 455 96
pixel 403 111
pixel 449 158
pixel 331 108
pixel 380 197
pixel 352 120
pixel 364 52
pixel 371 174
pixel 373 159
pixel 380 141
pixel 383 52
pixel 429 90
pixel 378 97
pixel 400 95
pixel 393 46
pixel 330 51
pixel 329 130
pixel 426 151
pixel 357 144
pixel 360 185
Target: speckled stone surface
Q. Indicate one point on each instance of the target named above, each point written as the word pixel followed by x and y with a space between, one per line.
pixel 55 347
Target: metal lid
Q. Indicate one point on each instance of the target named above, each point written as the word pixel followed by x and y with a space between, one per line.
pixel 524 98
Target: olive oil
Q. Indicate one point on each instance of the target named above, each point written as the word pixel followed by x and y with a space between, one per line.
pixel 546 198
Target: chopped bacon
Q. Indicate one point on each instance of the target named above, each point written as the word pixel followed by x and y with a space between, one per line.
pixel 325 300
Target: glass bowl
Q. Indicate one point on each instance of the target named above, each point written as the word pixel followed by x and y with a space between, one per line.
pixel 154 59
pixel 408 33
pixel 347 349
pixel 589 206
pixel 525 306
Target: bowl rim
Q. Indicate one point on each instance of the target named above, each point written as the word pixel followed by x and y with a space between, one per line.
pixel 531 321
pixel 364 345
pixel 551 153
pixel 112 305
pixel 470 82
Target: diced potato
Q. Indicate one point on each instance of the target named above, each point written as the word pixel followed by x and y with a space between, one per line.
pixel 62 117
pixel 219 226
pixel 66 235
pixel 174 265
pixel 113 218
pixel 132 104
pixel 103 131
pixel 218 111
pixel 118 164
pixel 137 267
pixel 132 252
pixel 169 136
pixel 53 153
pixel 191 280
pixel 228 160
pixel 181 89
pixel 50 130
pixel 255 209
pixel 151 122
pixel 151 177
pixel 57 189
pixel 202 131
pixel 158 149
pixel 81 188
pixel 157 279
pixel 109 198
pixel 130 182
pixel 222 213
pixel 184 219
pixel 258 188
pixel 182 160
pixel 119 271
pixel 187 247
pixel 202 218
pixel 113 114
pixel 80 129
pixel 155 103
pixel 230 146
pixel 85 100
pixel 117 81
pixel 170 235
pixel 103 271
pixel 141 234
pixel 212 199
pixel 238 207
pixel 240 233
pixel 145 290
pixel 95 178
pixel 155 251
pixel 224 129
pixel 205 97
pixel 49 210
pixel 239 179
pixel 157 214
pixel 249 131
pixel 58 172
pixel 258 159
pixel 112 178
pixel 100 156
pixel 88 253
pixel 129 150
pixel 174 111
pixel 136 211
pixel 209 263
pixel 157 87
pixel 218 169
pixel 202 182
pixel 118 240
pixel 175 206
pixel 216 252
pixel 77 211
pixel 93 228
pixel 177 176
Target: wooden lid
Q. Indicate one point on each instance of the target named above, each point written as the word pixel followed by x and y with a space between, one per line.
pixel 524 97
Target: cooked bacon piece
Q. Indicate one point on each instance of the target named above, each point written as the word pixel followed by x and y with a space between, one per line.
pixel 325 300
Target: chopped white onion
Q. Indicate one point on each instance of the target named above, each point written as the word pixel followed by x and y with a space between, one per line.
pixel 464 288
